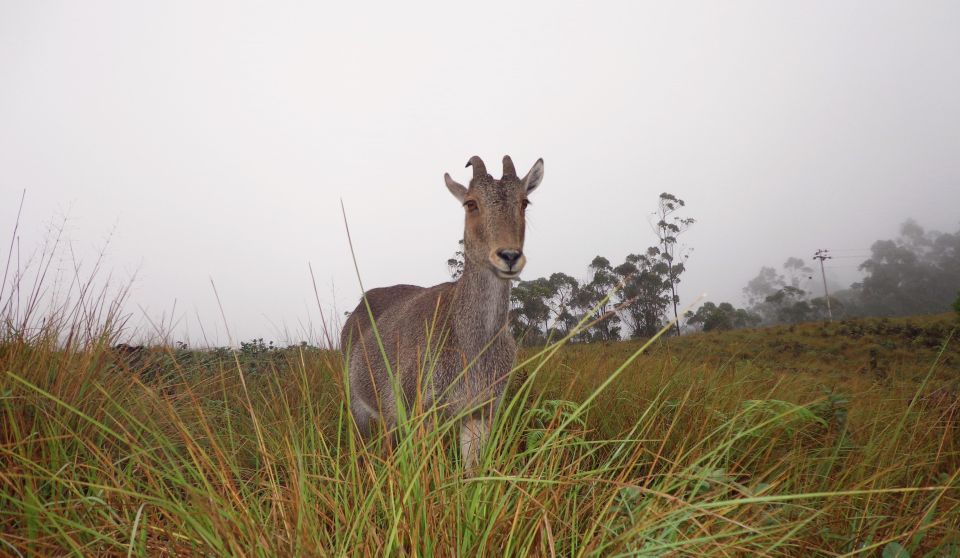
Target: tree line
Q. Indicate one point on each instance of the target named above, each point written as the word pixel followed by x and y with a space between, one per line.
pixel 916 273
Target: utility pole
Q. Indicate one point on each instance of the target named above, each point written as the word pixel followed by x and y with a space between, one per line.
pixel 824 255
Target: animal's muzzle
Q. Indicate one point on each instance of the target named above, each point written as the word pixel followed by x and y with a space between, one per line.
pixel 510 257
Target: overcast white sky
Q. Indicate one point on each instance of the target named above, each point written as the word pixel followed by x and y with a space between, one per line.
pixel 216 140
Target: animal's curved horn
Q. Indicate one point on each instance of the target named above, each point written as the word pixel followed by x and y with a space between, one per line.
pixel 508 169
pixel 479 169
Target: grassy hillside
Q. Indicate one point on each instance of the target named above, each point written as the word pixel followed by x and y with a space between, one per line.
pixel 872 358
pixel 814 440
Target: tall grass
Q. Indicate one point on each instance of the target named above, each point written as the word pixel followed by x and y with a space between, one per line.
pixel 628 449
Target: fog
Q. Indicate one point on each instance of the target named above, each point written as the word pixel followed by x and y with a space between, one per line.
pixel 212 144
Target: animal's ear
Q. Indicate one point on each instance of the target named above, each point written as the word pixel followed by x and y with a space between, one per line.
pixel 533 178
pixel 455 188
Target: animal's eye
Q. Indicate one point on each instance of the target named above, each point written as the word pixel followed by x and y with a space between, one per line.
pixel 470 205
pixel 524 204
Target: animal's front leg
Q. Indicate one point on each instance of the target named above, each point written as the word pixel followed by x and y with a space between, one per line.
pixel 474 432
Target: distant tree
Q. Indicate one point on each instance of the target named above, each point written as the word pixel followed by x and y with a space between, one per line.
pixel 745 318
pixel 544 308
pixel 846 302
pixel 669 227
pixel 917 273
pixel 766 283
pixel 646 294
pixel 781 297
pixel 564 289
pixel 455 264
pixel 790 305
pixel 956 305
pixel 529 310
pixel 713 317
pixel 819 310
pixel 797 273
pixel 591 299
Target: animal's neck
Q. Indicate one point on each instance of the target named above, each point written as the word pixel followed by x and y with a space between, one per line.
pixel 484 302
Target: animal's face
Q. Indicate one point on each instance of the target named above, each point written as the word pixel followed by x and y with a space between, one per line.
pixel 495 215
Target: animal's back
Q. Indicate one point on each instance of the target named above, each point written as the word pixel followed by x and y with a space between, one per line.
pixel 380 300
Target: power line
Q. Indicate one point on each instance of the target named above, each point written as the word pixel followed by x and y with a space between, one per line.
pixel 841 266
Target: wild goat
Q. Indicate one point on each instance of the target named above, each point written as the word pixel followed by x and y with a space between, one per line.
pixel 461 364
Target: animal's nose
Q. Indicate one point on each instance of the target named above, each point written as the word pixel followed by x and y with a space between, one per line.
pixel 509 256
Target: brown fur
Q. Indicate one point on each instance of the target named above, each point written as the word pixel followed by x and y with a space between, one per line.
pixel 431 335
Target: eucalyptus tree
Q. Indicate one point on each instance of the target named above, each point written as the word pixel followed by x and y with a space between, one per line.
pixel 594 302
pixel 645 295
pixel 670 225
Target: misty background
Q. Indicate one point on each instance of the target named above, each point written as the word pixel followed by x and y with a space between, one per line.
pixel 194 142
